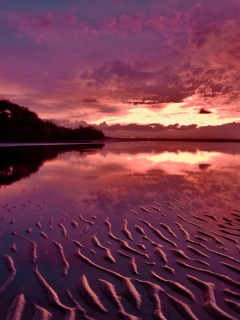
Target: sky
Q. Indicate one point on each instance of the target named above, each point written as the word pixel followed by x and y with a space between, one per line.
pixel 133 68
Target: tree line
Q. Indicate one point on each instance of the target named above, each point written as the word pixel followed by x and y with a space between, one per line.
pixel 19 124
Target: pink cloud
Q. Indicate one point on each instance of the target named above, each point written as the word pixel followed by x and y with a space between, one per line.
pixel 226 131
pixel 143 53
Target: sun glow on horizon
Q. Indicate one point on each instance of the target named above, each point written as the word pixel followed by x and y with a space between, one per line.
pixel 169 114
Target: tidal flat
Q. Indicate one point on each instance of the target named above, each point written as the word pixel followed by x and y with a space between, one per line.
pixel 120 230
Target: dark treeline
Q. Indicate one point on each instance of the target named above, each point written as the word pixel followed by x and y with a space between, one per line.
pixel 19 124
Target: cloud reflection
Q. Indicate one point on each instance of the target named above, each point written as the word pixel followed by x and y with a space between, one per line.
pixel 123 175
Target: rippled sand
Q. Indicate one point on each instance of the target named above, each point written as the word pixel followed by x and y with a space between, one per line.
pixel 158 264
pixel 165 249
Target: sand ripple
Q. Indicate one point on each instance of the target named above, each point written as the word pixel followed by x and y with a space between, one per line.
pixel 129 266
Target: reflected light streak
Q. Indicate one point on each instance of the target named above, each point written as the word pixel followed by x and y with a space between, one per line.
pixel 169 162
pixel 184 157
pixel 85 176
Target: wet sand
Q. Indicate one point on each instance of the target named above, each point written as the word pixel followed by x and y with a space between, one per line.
pixel 158 256
pixel 146 267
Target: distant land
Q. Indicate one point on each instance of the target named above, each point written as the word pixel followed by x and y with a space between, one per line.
pixel 19 124
pixel 174 139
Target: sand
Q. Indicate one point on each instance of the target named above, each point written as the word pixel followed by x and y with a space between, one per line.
pixel 167 255
pixel 114 278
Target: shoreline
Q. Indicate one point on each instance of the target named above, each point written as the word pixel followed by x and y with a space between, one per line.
pixel 109 139
pixel 170 139
pixel 31 144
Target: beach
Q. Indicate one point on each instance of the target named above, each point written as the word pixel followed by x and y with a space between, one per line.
pixel 125 231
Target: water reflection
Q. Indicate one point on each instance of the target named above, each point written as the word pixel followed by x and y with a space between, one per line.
pixel 204 166
pixel 103 177
pixel 171 157
pixel 74 191
pixel 108 178
pixel 19 162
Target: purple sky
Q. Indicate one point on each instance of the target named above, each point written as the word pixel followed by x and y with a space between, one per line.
pixel 116 62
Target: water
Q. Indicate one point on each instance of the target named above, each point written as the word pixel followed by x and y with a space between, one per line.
pixel 195 185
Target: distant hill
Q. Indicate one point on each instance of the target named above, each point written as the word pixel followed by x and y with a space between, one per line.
pixel 19 124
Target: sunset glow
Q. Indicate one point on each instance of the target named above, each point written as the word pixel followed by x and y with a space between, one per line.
pixel 124 62
pixel 171 114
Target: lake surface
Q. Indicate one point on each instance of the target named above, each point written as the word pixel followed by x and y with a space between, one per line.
pixel 120 211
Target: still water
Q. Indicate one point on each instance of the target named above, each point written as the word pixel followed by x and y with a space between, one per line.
pixel 64 193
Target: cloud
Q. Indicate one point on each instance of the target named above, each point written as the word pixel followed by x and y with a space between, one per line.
pixel 154 127
pixel 234 126
pixel 155 130
pixel 164 85
pixel 89 100
pixel 145 101
pixel 149 53
pixel 204 111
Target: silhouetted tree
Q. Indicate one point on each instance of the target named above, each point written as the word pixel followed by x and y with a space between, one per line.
pixel 19 124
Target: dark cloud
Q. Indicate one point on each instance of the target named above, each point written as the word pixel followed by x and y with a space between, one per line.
pixel 89 100
pixel 116 69
pixel 145 101
pixel 170 84
pixel 152 87
pixel 188 127
pixel 154 127
pixel 135 103
pixel 234 126
pixel 204 111
pixel 159 100
pixel 108 109
pixel 154 130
